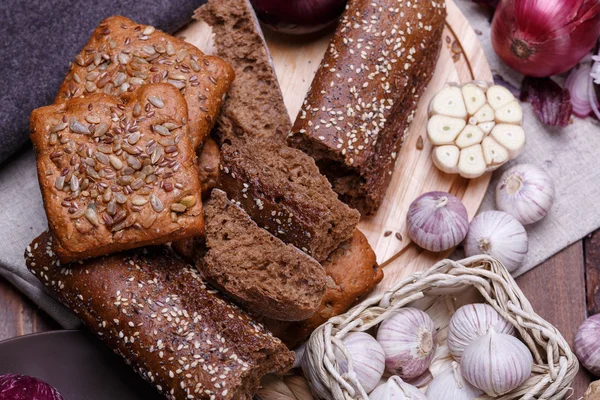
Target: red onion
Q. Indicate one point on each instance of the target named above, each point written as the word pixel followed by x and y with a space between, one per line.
pixel 22 387
pixel 545 37
pixel 298 16
pixel 577 83
pixel 594 79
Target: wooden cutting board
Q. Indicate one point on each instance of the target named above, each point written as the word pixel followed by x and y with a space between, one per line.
pixel 461 60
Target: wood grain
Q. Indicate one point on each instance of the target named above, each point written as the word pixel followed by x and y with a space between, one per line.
pixel 556 290
pixel 592 272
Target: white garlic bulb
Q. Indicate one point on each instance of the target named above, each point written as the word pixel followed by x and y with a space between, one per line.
pixel 367 356
pixel 408 339
pixel 395 388
pixel 500 235
pixel 587 344
pixel 472 321
pixel 496 363
pixel 450 385
pixel 526 192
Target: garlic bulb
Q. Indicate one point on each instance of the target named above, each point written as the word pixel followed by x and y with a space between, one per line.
pixel 526 192
pixel 437 221
pixel 496 363
pixel 408 341
pixel 474 128
pixel 471 322
pixel 396 389
pixel 450 385
pixel 587 344
pixel 367 356
pixel 500 235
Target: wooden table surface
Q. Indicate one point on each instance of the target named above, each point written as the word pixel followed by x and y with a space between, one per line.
pixel 563 290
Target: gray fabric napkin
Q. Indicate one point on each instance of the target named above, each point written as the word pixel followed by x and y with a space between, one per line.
pixel 567 154
pixel 41 37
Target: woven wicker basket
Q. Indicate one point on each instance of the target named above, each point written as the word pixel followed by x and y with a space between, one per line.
pixel 555 366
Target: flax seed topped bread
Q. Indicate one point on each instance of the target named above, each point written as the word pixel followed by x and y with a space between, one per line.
pixel 365 92
pixel 156 312
pixel 117 173
pixel 255 268
pixel 255 100
pixel 122 55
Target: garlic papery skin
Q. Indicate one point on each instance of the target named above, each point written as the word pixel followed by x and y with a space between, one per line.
pixel 450 385
pixel 408 339
pixel 472 321
pixel 587 344
pixel 437 221
pixel 496 363
pixel 499 235
pixel 367 356
pixel 526 192
pixel 396 389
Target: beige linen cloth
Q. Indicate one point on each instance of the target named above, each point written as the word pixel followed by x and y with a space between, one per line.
pixel 569 154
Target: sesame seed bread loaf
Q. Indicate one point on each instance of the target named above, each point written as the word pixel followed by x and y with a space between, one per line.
pixel 122 55
pixel 255 268
pixel 254 100
pixel 365 92
pixel 352 272
pixel 117 173
pixel 156 312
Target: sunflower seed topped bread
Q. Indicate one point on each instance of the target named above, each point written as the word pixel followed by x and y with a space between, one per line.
pixel 156 312
pixel 364 95
pixel 117 173
pixel 255 268
pixel 122 55
pixel 352 272
pixel 254 100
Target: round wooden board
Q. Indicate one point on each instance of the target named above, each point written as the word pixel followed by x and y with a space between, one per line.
pixel 461 60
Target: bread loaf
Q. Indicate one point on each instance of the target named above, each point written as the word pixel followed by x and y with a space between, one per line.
pixel 255 268
pixel 209 158
pixel 352 273
pixel 365 92
pixel 157 313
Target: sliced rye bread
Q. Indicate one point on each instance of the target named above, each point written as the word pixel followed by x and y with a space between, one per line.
pixel 255 268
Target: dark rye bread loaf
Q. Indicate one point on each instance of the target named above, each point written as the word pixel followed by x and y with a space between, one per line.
pixel 157 313
pixel 364 95
pixel 283 191
pixel 254 101
pixel 255 268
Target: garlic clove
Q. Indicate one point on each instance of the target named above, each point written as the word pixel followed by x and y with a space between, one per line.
pixel 442 129
pixel 396 389
pixel 587 344
pixel 445 158
pixel 499 96
pixel 367 356
pixel 496 363
pixel 469 136
pixel 471 163
pixel 474 97
pixel 494 154
pixel 450 385
pixel 485 114
pixel 511 137
pixel 512 113
pixel 487 127
pixel 449 101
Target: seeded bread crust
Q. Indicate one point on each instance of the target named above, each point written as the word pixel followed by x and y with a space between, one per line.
pixel 365 92
pixel 255 268
pixel 122 55
pixel 112 185
pixel 283 191
pixel 157 313
pixel 352 273
pixel 254 100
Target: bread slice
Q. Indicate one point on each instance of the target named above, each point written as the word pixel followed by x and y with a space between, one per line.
pixel 255 268
pixel 254 100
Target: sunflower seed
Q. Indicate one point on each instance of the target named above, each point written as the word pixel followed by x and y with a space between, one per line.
pixel 91 216
pixel 123 58
pixel 178 84
pixel 90 87
pixel 134 163
pixel 74 183
pixel 76 78
pixel 151 178
pixel 59 183
pixel 177 207
pixel 133 138
pixel 170 126
pixel 130 149
pixel 124 87
pixel 101 129
pixel 115 162
pixel 127 171
pixel 92 119
pixel 139 200
pixel 156 204
pixel 148 50
pixel 125 180
pixel 58 127
pixel 188 201
pixel 148 30
pixel 78 213
pixel 170 149
pixel 118 227
pixel 136 81
pixel 156 101
pixel 78 127
pixel 92 173
pixel 137 184
pixel 195 66
pixel 111 208
pixel 170 49
pixel 102 158
pixel 120 198
pixel 177 76
pixel 90 161
pixel 157 155
pixel 107 195
pixel 161 130
pixel 119 78
pixel 148 221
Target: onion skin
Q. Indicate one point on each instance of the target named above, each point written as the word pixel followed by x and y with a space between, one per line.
pixel 22 387
pixel 298 16
pixel 541 38
pixel 587 344
pixel 577 83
